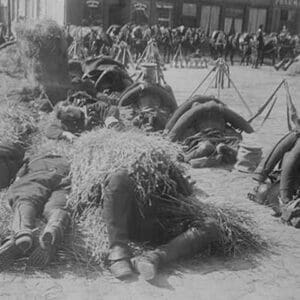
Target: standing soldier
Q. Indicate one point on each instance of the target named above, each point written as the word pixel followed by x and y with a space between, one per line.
pixel 260 46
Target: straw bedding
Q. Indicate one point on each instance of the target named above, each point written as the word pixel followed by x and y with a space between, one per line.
pixel 152 165
pixel 17 122
pixel 150 161
pixel 5 216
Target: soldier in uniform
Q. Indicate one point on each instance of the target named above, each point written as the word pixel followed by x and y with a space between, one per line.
pixel 40 190
pixel 73 119
pixel 279 188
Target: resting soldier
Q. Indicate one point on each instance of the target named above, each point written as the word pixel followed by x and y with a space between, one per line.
pixel 209 131
pixel 11 160
pixel 279 187
pixel 125 223
pixel 40 190
pixel 72 120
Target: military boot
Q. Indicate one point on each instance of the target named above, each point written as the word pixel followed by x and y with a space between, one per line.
pixel 148 263
pixel 20 242
pixel 50 239
pixel 119 260
pixel 185 245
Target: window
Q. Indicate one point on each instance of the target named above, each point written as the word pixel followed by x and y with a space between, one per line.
pixel 210 16
pixel 189 9
pixel 164 13
pixel 284 15
pixel 257 17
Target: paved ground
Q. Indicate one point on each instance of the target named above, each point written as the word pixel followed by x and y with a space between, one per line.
pixel 276 276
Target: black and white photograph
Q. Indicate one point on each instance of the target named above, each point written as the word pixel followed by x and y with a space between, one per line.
pixel 149 149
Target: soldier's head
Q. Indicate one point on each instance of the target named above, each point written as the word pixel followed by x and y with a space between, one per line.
pixel 72 117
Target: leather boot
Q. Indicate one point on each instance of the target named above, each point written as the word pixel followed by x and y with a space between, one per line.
pixel 23 224
pixel 50 239
pixel 21 242
pixel 188 244
pixel 148 263
pixel 120 265
pixel 8 253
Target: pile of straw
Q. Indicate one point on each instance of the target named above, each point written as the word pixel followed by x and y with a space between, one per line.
pixel 102 152
pixel 43 49
pixel 17 122
pixel 150 161
pixel 5 216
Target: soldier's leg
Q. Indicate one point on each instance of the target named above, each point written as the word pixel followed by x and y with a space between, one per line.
pixel 119 197
pixel 187 244
pixel 58 221
pixel 20 242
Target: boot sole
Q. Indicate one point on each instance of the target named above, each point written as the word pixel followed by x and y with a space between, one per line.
pixel 145 268
pixel 8 253
pixel 121 269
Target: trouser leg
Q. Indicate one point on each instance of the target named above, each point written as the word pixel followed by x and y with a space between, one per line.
pixel 24 221
pixel 57 216
pixel 119 198
pixel 58 220
pixel 187 244
pixel 276 155
pixel 24 216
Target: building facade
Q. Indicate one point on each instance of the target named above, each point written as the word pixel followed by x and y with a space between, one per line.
pixel 230 15
pixel 227 15
pixel 73 12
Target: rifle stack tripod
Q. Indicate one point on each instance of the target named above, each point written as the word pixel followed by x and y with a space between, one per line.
pixel 219 73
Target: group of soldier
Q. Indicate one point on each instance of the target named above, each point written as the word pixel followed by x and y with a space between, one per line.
pixel 39 186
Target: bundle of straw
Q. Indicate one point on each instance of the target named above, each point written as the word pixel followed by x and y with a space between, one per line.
pixel 150 161
pixel 5 216
pixel 17 122
pixel 236 227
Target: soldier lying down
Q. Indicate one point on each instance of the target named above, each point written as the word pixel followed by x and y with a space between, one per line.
pixel 72 120
pixel 279 188
pixel 126 223
pixel 40 190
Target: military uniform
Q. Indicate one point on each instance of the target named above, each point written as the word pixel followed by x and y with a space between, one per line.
pixel 11 160
pixel 286 153
pixel 40 190
pixel 75 119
